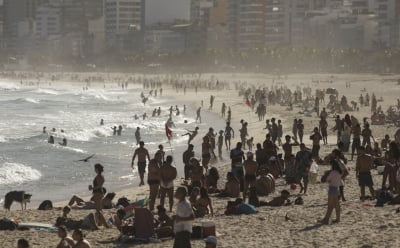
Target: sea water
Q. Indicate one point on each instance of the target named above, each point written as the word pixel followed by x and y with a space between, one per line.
pixel 28 162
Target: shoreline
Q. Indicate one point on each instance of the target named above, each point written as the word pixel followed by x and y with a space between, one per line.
pixel 302 229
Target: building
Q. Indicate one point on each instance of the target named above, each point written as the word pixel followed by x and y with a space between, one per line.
pixel 217 33
pixel 166 11
pixel 123 20
pixel 19 16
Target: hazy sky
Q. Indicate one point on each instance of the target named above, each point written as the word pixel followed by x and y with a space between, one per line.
pixel 166 10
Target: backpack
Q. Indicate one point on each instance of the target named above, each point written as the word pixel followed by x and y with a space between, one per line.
pixel 7 224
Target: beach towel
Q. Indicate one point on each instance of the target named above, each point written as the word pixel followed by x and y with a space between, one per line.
pixel 144 223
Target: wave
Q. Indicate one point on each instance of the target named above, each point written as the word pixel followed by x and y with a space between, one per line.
pixel 3 139
pixel 8 86
pixel 22 100
pixel 88 134
pixel 47 91
pixel 14 173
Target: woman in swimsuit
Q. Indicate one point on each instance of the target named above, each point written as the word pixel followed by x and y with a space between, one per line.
pixel 97 188
pixel 203 205
pixel 78 236
pixel 205 152
pixel 65 242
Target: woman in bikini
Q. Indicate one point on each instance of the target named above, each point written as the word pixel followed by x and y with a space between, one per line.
pixel 65 242
pixel 203 205
pixel 97 188
pixel 206 152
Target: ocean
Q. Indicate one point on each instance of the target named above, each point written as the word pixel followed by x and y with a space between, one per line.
pixel 51 172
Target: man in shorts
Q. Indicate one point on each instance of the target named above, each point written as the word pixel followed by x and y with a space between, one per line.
pixel 142 154
pixel 168 174
pixel 303 163
pixel 364 165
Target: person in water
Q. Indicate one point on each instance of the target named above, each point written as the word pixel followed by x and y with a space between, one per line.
pixel 51 139
pixel 64 142
pixel 191 134
pixel 142 153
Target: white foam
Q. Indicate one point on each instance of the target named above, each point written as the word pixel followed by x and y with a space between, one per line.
pixel 31 100
pixel 12 173
pixel 47 91
pixel 3 139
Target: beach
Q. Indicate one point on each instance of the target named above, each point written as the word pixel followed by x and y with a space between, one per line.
pixel 362 224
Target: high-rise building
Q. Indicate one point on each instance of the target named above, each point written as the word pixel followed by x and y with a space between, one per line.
pixel 19 16
pixel 123 18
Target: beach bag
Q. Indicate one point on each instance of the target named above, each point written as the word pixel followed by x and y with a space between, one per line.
pixel 7 224
pixel 45 205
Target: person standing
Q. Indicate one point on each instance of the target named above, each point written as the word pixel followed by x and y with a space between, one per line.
pixel 229 133
pixel 168 174
pixel 153 178
pixel 142 154
pixel 187 155
pixel 333 179
pixel 303 163
pixel 364 165
pixel 183 220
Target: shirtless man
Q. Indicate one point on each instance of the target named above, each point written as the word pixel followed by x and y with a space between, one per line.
pixel 367 135
pixel 300 129
pixel 187 155
pixel 316 139
pixel 356 139
pixel 168 174
pixel 323 126
pixel 289 160
pixel 323 114
pixel 250 167
pixel 229 133
pixel 137 135
pixel 192 134
pixel 142 154
pixel 294 129
pixel 243 134
pixel 269 146
pixel 364 165
pixel 153 178
pixel 198 115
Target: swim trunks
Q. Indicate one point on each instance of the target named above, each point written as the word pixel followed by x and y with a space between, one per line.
pixel 142 167
pixel 153 182
pixel 365 179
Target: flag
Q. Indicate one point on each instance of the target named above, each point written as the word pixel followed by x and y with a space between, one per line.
pixel 248 102
pixel 168 132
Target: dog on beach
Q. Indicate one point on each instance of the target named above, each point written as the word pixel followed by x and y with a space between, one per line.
pixel 18 196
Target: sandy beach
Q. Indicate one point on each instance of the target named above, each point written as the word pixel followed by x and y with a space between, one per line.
pixel 362 224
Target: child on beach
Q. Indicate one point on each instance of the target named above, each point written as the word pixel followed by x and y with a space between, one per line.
pixel 183 220
pixel 220 142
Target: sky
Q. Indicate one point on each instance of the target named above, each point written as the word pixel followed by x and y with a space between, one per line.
pixel 166 10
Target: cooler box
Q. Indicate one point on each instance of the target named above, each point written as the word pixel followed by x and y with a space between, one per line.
pixel 208 228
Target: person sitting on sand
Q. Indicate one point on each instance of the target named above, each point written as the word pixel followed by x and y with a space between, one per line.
pixel 82 204
pixel 79 238
pixel 364 165
pixel 66 241
pixel 23 243
pixel 193 195
pixel 265 182
pixel 212 178
pixel 90 222
pixel 203 205
pixel 196 175
pixel 232 187
pixel 334 179
pixel 164 224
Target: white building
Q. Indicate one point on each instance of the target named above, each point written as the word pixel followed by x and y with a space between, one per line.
pixel 121 17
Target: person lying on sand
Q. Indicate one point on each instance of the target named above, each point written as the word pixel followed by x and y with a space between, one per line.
pixel 90 222
pixel 82 204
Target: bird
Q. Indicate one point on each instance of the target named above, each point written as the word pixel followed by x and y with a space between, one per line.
pixel 86 159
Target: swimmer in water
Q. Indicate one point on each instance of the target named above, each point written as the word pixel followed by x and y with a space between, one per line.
pixel 50 140
pixel 101 122
pixel 192 134
pixel 114 130
pixel 137 135
pixel 64 142
pixel 44 130
pixel 119 131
